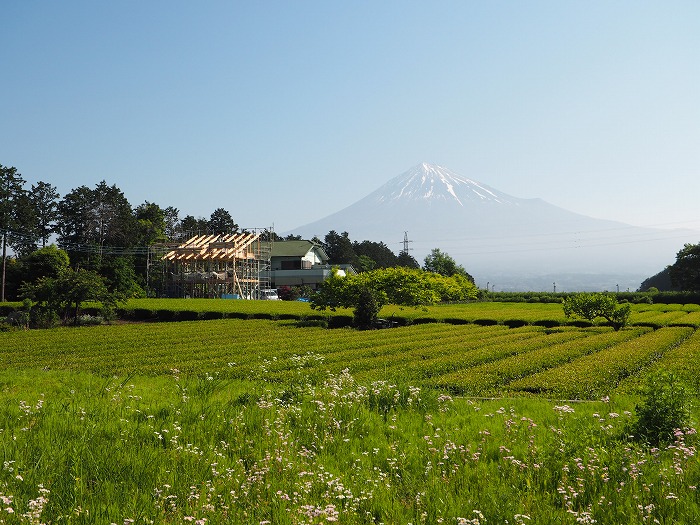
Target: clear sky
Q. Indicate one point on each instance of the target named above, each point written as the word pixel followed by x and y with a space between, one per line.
pixel 284 112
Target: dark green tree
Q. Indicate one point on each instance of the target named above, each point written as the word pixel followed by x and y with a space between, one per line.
pixel 406 260
pixel 113 217
pixel 190 226
pixel 172 222
pixel 11 190
pixel 221 222
pixel 24 238
pixel 685 272
pixel 93 223
pixel 339 249
pixel 75 224
pixel 44 199
pixel 444 264
pixel 379 252
pixel 661 281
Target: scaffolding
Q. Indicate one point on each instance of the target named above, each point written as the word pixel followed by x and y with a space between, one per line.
pixel 235 265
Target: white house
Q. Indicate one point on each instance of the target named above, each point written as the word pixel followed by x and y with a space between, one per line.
pixel 301 263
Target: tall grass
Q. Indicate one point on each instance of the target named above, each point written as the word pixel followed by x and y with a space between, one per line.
pixel 202 449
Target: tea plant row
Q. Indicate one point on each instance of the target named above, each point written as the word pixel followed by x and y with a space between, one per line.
pixel 469 359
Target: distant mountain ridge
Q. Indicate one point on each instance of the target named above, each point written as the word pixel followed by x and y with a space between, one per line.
pixel 519 243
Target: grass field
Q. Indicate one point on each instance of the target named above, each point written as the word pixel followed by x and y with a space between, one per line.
pixel 263 421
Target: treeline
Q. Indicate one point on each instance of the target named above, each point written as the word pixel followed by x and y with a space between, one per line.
pixel 102 232
pixel 97 227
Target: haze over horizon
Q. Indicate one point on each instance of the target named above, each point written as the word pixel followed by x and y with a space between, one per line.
pixel 284 113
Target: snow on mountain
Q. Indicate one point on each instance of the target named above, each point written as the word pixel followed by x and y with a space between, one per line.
pixel 434 183
pixel 500 238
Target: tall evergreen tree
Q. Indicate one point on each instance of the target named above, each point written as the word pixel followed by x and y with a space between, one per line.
pixel 190 226
pixel 24 237
pixel 44 199
pixel 92 221
pixel 11 191
pixel 339 248
pixel 407 260
pixel 221 222
pixel 171 216
pixel 379 252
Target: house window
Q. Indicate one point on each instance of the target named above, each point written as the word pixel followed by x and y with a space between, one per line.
pixel 291 265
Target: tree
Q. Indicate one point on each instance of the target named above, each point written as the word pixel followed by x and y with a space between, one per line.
pixel 221 222
pixel 44 199
pixel 150 224
pixel 172 222
pixel 406 260
pixel 442 263
pixel 367 292
pixel 661 281
pixel 64 294
pixel 91 221
pixel 24 237
pixel 593 305
pixel 11 188
pixel 113 218
pixel 339 248
pixel 685 272
pixel 378 252
pixel 120 278
pixel 189 226
pixel 75 223
pixel 365 263
pixel 44 262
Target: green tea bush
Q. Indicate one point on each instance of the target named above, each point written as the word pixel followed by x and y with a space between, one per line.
pixel 664 410
pixel 6 327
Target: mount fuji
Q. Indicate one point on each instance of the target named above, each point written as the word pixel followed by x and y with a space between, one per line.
pixel 514 243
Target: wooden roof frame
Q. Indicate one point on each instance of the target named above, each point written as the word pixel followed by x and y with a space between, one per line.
pixel 218 247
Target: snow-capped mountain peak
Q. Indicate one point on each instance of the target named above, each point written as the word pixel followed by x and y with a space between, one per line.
pixel 430 182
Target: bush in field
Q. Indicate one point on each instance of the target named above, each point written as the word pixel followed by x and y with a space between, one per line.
pixel 593 305
pixel 367 292
pixel 64 294
pixel 663 411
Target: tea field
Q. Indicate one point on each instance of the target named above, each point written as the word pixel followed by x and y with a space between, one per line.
pixel 564 362
pixel 498 413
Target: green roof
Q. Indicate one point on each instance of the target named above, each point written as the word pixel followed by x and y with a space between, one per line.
pixel 295 248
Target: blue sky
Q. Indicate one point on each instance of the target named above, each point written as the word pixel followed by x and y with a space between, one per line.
pixel 285 112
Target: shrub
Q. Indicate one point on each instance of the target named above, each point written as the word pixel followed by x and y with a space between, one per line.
pixel 89 320
pixel 664 410
pixel 6 327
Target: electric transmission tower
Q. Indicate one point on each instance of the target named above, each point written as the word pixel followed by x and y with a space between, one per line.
pixel 406 243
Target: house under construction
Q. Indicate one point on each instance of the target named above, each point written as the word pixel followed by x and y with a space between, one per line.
pixel 220 266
